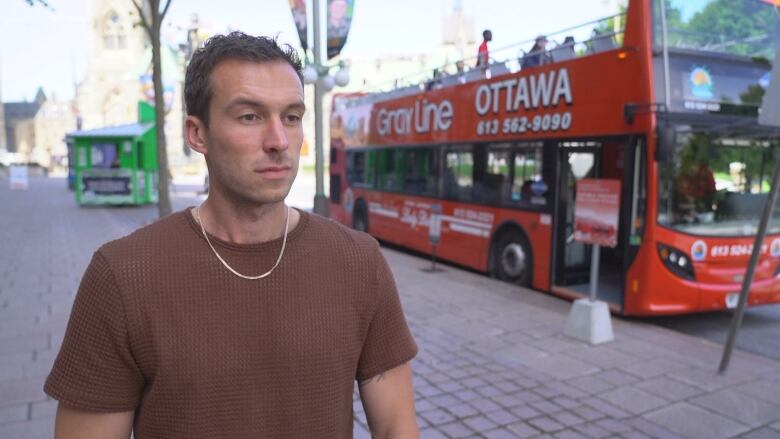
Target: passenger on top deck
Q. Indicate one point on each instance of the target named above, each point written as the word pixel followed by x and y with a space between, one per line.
pixel 483 55
pixel 538 55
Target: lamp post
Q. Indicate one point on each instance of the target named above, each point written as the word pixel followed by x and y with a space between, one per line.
pixel 318 74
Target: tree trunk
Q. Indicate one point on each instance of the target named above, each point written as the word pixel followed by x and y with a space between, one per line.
pixel 164 201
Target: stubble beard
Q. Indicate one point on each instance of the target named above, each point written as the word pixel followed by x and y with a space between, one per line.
pixel 244 193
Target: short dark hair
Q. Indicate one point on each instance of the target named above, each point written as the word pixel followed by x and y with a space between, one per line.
pixel 235 45
pixel 486 32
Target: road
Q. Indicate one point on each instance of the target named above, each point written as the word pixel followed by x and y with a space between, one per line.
pixel 760 331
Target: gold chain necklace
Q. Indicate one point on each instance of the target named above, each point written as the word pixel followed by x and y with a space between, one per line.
pixel 243 276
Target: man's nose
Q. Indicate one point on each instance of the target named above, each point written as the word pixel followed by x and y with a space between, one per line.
pixel 275 138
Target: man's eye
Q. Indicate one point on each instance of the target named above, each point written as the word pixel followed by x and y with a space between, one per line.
pixel 293 118
pixel 249 117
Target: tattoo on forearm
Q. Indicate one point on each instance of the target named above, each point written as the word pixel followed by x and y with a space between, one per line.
pixel 375 379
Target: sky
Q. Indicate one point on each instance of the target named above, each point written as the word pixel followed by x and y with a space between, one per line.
pixel 51 49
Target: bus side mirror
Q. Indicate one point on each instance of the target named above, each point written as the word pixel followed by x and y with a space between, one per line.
pixel 667 137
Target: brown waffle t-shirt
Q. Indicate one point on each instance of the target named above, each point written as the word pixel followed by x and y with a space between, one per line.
pixel 161 327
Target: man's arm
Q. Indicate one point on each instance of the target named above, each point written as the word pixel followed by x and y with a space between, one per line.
pixel 388 400
pixel 79 424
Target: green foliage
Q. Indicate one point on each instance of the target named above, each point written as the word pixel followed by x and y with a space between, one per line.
pixel 740 27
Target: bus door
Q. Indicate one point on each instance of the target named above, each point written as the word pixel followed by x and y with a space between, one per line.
pixel 576 160
pixel 620 159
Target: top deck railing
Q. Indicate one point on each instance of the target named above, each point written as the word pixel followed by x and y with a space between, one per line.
pixel 574 42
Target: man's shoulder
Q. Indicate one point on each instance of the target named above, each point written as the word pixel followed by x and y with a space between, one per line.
pixel 336 236
pixel 153 239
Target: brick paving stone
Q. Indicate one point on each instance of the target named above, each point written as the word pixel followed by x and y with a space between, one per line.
pixel 587 413
pixel 37 429
pixel 508 401
pixel 709 381
pixel 432 433
pixel 592 430
pixel 590 384
pixel 522 430
pixel 739 406
pixel 633 434
pixel 444 401
pixel 606 408
pixel 467 395
pixel 480 423
pixel 766 391
pixel 545 407
pixel 565 402
pixel 462 410
pixel 669 388
pixel 654 430
pixel 525 412
pixel 570 434
pixel 546 424
pixel 456 430
pixel 490 391
pixel 614 426
pixel 499 434
pixel 617 377
pixel 427 391
pixel 16 392
pixel 420 405
pixel 437 417
pixel 632 399
pixel 761 433
pixel 508 387
pixel 690 421
pixel 449 386
pixel 567 419
pixel 14 413
pixel 43 410
pixel 484 405
pixel 502 417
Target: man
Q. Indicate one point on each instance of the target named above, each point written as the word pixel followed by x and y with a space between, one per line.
pixel 483 54
pixel 240 317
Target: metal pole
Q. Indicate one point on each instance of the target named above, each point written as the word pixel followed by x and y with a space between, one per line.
pixel 320 202
pixel 736 321
pixel 594 270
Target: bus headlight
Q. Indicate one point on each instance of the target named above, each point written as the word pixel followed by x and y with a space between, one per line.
pixel 676 261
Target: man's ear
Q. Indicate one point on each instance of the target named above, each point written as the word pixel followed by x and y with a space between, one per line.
pixel 196 134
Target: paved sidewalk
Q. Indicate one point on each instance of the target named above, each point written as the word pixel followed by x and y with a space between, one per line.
pixel 493 362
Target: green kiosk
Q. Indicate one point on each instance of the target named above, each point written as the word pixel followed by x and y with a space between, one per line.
pixel 117 165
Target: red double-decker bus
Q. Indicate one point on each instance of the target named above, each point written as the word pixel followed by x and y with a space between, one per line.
pixel 663 98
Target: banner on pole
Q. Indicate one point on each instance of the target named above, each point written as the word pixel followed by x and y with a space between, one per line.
pixel 597 211
pixel 298 8
pixel 339 22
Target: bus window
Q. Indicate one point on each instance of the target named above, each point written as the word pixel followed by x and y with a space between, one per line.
pixel 717 186
pixel 360 168
pixel 458 175
pixel 387 170
pixel 528 187
pixel 419 171
pixel 491 180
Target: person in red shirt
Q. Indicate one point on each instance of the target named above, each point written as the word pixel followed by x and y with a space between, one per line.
pixel 483 55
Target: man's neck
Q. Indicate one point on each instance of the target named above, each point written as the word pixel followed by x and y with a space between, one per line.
pixel 245 224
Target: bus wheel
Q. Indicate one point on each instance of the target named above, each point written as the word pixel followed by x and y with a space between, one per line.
pixel 360 217
pixel 512 258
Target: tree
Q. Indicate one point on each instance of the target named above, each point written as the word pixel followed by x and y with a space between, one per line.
pixel 151 21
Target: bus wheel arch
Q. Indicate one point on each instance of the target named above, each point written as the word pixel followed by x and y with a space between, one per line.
pixel 511 255
pixel 360 216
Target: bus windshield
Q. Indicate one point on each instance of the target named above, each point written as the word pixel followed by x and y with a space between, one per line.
pixel 734 27
pixel 717 185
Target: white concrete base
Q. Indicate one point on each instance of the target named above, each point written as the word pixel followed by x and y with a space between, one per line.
pixel 589 322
